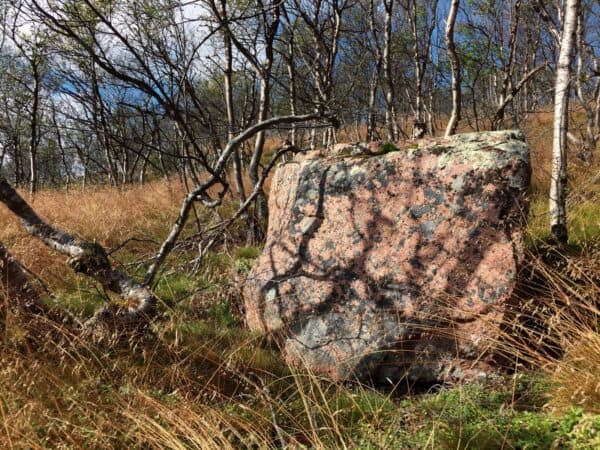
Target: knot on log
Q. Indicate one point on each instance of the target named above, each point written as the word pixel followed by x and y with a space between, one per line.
pixel 93 260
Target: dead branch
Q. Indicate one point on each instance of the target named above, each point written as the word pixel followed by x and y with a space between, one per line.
pixel 515 90
pixel 200 192
pixel 85 257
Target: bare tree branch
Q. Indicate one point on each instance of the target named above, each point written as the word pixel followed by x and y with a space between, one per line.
pixel 200 192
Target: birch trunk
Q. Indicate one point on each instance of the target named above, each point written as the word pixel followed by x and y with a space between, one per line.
pixel 253 168
pixel 33 145
pixel 200 191
pixel 418 70
pixel 2 155
pixel 61 147
pixel 371 122
pixel 421 54
pixel 228 85
pixel 387 71
pixel 292 80
pixel 455 66
pixel 589 143
pixel 597 108
pixel 508 69
pixel 558 184
pixel 371 113
pixel 85 257
pixel 101 127
pixel 269 25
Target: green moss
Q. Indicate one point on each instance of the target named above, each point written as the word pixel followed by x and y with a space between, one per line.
pixel 84 301
pixel 486 417
pixel 221 314
pixel 174 286
pixel 388 147
pixel 244 258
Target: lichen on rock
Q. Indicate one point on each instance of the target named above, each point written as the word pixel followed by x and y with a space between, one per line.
pixel 397 264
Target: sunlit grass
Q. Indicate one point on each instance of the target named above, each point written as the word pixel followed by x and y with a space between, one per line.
pixel 204 381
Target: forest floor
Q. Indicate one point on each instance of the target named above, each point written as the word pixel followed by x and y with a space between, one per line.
pixel 206 382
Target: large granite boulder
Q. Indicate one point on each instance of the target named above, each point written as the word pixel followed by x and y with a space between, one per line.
pixel 388 262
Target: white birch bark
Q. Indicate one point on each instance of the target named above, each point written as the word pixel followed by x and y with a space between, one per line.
pixel 422 35
pixel 291 70
pixel 558 184
pixel 374 81
pixel 228 91
pixel 85 257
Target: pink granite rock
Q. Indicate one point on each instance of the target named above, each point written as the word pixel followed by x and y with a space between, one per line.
pixel 395 262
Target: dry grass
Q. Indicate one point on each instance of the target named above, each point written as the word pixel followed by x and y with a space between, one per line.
pixel 555 325
pixel 206 383
pixel 576 376
pixel 583 202
pixel 109 216
pixel 211 394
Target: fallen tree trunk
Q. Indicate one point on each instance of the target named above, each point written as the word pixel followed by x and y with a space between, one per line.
pixel 91 259
pixel 88 258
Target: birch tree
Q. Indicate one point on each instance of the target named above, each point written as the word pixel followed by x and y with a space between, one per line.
pixel 374 81
pixel 390 100
pixel 85 257
pixel 423 20
pixel 455 66
pixel 587 71
pixel 558 184
pixel 319 50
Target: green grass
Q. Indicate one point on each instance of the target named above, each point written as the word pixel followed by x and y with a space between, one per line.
pixel 248 252
pixel 388 147
pixel 84 300
pixel 175 286
pixel 207 382
pixel 583 219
